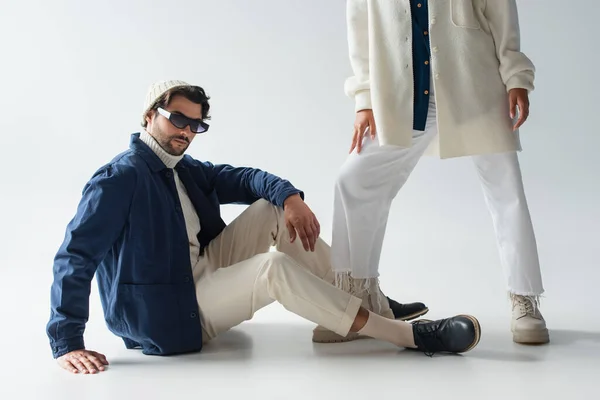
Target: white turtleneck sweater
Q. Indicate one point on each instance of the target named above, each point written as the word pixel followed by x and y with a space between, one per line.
pixel 192 222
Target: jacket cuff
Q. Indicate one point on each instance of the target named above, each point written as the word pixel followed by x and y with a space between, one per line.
pixel 62 347
pixel 287 193
pixel 520 81
pixel 362 100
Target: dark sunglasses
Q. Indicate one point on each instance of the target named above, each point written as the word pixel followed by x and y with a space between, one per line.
pixel 181 121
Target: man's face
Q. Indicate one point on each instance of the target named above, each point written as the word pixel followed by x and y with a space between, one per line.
pixel 173 140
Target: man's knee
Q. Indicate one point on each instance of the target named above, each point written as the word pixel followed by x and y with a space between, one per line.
pixel 262 206
pixel 265 213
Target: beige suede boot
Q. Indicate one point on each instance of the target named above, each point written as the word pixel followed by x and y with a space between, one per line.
pixel 528 325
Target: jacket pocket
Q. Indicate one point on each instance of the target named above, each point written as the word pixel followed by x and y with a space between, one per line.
pixel 149 313
pixel 463 14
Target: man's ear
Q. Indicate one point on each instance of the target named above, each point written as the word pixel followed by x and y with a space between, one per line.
pixel 150 118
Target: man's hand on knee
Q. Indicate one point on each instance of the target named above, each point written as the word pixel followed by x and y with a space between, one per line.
pixel 301 221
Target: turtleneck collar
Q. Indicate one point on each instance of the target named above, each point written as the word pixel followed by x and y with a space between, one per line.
pixel 169 159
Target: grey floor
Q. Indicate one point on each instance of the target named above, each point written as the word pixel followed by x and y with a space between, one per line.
pixel 273 358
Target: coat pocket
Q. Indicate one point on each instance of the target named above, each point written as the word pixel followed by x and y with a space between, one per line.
pixel 463 14
pixel 149 314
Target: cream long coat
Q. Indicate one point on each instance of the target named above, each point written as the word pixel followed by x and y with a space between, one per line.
pixel 475 61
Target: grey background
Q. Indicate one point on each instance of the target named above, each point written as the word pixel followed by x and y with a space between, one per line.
pixel 74 75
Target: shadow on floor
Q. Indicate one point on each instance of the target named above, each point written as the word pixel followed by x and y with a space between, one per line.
pixel 568 337
pixel 292 342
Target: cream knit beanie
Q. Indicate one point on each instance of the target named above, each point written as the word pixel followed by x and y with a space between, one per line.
pixel 156 90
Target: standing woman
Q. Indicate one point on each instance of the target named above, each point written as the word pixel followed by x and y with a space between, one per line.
pixel 444 78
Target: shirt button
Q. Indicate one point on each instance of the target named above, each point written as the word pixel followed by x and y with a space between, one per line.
pixel 437 76
pixel 433 20
pixel 435 49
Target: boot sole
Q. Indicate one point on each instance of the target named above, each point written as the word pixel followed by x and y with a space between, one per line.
pixel 477 326
pixel 410 317
pixel 332 337
pixel 536 337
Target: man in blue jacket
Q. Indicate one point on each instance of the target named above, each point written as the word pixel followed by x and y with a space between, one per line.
pixel 172 275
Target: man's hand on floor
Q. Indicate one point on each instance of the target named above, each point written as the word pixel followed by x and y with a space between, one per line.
pixel 301 221
pixel 83 361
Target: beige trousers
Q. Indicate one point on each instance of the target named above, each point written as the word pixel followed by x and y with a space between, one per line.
pixel 238 276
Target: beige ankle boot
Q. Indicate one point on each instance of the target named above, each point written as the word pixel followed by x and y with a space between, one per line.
pixel 528 325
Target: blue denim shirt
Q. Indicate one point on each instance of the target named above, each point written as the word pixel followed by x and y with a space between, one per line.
pixel 421 62
pixel 129 230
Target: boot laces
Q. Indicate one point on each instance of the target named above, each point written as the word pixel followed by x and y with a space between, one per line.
pixel 431 335
pixel 527 304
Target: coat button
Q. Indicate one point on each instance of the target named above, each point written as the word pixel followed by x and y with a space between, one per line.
pixel 186 279
pixel 193 315
pixel 168 174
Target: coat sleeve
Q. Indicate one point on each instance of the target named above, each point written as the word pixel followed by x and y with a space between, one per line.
pixel 243 185
pixel 358 86
pixel 516 69
pixel 101 215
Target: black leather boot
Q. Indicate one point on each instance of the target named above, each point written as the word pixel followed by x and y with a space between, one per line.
pixel 407 312
pixel 451 335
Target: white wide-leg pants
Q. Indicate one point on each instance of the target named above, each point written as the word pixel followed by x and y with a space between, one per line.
pixel 369 181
